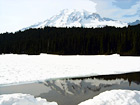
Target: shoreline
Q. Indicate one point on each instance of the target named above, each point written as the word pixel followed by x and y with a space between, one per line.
pixel 68 78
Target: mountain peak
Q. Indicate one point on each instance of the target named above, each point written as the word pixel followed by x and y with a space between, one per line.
pixel 75 18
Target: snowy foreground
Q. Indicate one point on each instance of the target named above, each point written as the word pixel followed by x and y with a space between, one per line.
pixel 23 99
pixel 115 97
pixel 16 69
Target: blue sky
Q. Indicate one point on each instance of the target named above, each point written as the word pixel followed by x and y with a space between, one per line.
pixel 125 4
pixel 17 14
pixel 123 10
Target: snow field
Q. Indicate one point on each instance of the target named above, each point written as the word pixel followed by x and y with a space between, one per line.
pixel 16 69
pixel 23 99
pixel 115 97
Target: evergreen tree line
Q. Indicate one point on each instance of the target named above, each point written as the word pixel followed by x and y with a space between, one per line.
pixel 73 41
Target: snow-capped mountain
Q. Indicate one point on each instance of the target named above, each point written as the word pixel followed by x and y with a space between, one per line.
pixel 74 18
pixel 135 23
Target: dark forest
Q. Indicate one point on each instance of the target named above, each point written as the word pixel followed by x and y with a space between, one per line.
pixel 73 41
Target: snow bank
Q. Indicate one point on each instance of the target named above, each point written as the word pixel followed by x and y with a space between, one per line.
pixel 115 97
pixel 23 68
pixel 23 99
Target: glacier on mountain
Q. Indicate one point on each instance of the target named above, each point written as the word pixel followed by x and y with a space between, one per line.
pixel 74 18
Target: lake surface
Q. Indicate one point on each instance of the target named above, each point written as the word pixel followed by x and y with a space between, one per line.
pixel 72 91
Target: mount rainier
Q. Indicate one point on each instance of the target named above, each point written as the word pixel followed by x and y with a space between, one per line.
pixel 74 18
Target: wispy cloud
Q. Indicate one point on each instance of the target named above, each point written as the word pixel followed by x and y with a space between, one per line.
pixel 133 15
pixel 125 4
pixel 124 10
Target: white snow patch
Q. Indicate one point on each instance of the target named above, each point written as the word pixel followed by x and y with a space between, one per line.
pixel 15 69
pixel 23 99
pixel 115 97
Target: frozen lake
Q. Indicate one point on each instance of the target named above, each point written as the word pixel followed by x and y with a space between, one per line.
pixel 67 80
pixel 20 69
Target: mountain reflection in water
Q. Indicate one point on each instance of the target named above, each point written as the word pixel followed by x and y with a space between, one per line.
pixel 72 91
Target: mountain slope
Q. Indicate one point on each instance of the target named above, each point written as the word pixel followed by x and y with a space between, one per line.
pixel 135 23
pixel 73 18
